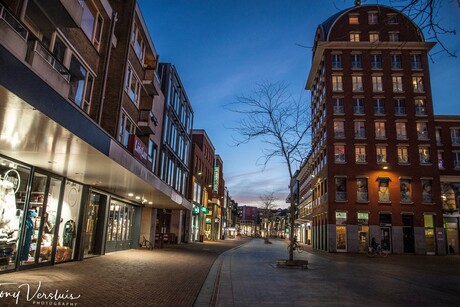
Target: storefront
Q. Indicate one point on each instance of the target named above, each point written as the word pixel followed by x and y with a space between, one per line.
pixel 40 216
pixel 42 221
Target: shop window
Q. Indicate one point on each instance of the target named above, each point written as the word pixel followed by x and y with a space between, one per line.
pixel 429 234
pixel 13 197
pixel 341 230
pixel 70 211
pixel 363 231
pixel 405 190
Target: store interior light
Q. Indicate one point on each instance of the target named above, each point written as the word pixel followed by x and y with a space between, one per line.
pixel 130 194
pixel 138 197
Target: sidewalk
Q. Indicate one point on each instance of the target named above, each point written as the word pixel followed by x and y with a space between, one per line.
pixel 247 276
pixel 172 276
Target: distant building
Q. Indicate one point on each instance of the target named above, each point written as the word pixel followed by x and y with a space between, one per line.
pixel 374 168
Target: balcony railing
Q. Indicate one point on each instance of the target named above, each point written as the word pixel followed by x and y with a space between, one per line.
pixel 43 52
pixel 11 21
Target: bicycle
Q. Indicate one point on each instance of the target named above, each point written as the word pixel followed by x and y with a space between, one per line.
pixel 296 247
pixel 145 243
pixel 371 252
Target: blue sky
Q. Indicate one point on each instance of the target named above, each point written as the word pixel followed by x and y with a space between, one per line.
pixel 223 48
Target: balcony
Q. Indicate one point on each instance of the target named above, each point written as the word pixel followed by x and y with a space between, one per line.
pixel 49 68
pixel 63 13
pixel 147 122
pixel 151 82
pixel 13 34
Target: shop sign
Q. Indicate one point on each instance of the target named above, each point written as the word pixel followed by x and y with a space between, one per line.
pixel 208 221
pixel 196 210
pixel 215 184
pixel 12 176
pixel 138 148
pixel 204 210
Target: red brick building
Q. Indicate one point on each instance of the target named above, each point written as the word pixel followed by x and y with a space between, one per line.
pixel 373 171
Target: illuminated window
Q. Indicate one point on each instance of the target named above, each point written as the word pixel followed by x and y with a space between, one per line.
pixel 403 156
pixel 422 130
pixel 401 131
pixel 360 154
pixel 337 83
pixel 373 37
pixel 417 83
pixel 339 131
pixel 353 19
pixel 381 151
pixel 380 130
pixel 424 155
pixel 357 82
pixel 420 108
pixel 397 84
pixel 377 84
pixel 354 37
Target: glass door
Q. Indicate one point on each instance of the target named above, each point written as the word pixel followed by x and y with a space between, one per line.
pixel 93 234
pixel 41 218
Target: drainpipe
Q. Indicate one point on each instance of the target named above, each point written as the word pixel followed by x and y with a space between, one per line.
pixel 25 3
pixel 106 67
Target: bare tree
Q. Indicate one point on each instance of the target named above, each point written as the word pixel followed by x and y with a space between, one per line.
pixel 281 122
pixel 425 13
pixel 267 206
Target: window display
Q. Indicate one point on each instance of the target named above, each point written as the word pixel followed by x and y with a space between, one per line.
pixel 405 190
pixel 119 226
pixel 13 183
pixel 361 190
pixel 384 193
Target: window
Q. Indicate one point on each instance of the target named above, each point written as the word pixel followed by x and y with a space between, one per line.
pixel 377 85
pixel 127 127
pixel 397 84
pixel 380 130
pixel 396 61
pixel 392 19
pixel 337 83
pixel 81 84
pixel 424 155
pixel 403 156
pixel 438 136
pixel 340 189
pixel 336 61
pixel 361 190
pixel 132 85
pixel 356 61
pixel 339 153
pixel 91 22
pixel 440 159
pixel 427 191
pixel 358 106
pixel 357 83
pixel 138 43
pixel 405 190
pixel 455 136
pixel 354 37
pixel 360 130
pixel 372 18
pixel 381 151
pixel 416 61
pixel 420 108
pixel 339 131
pixel 456 159
pixel 400 106
pixel 152 152
pixel 393 37
pixel 338 105
pixel 417 83
pixel 379 106
pixel 401 131
pixel 353 19
pixel 373 37
pixel 376 61
pixel 384 189
pixel 360 154
pixel 422 130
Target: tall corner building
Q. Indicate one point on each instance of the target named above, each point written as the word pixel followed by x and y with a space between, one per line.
pixel 373 171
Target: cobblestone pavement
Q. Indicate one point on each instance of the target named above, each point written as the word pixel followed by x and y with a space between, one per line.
pixel 172 276
pixel 248 276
